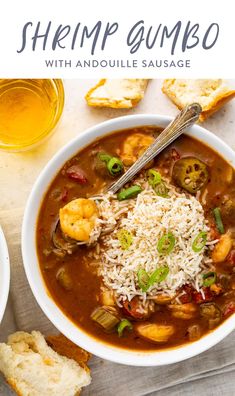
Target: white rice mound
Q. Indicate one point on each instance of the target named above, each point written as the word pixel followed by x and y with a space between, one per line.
pixel 148 217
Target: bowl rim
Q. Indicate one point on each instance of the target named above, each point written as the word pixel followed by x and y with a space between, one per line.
pixel 31 265
pixel 5 273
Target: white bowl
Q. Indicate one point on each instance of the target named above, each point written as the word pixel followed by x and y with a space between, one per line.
pixel 53 312
pixel 4 274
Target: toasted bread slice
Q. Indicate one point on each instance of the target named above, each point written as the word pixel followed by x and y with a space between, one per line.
pixel 65 347
pixel 210 94
pixel 117 93
pixel 32 368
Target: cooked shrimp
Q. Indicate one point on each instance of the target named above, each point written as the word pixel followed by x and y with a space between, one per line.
pixel 222 248
pixel 77 219
pixel 134 146
pixel 183 311
pixel 162 299
pixel 154 332
pixel 107 298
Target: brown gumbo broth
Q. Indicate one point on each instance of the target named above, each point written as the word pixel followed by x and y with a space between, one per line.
pixel 79 295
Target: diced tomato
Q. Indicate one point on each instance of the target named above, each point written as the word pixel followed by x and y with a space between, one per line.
pixel 77 174
pixel 188 293
pixel 216 289
pixel 64 195
pixel 174 154
pixel 231 258
pixel 198 297
pixel 214 233
pixel 185 298
pixel 229 308
pixel 208 294
pixel 130 308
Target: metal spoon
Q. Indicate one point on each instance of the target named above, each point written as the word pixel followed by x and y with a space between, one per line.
pixel 185 119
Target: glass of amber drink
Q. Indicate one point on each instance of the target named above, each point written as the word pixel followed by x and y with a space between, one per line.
pixel 29 111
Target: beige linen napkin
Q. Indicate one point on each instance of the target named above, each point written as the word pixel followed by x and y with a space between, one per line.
pixel 111 379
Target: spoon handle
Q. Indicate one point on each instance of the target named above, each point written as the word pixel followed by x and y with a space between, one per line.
pixel 185 119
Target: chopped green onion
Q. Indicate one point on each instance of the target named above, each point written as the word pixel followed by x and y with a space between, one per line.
pixel 115 166
pixel 161 190
pixel 154 177
pixel 209 279
pixel 125 238
pixel 218 220
pixel 122 325
pixel 159 275
pixel 143 280
pixel 104 157
pixel 199 242
pixel 130 192
pixel 155 180
pixel 166 243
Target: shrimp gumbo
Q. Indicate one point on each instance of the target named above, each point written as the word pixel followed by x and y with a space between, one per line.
pixel 152 266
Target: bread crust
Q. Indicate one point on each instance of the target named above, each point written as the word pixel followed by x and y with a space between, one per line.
pixel 13 385
pixel 224 95
pixel 63 346
pixel 217 105
pixel 127 101
pixel 30 364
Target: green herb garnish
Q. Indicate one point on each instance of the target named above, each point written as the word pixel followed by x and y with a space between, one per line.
pixel 159 275
pixel 125 238
pixel 166 243
pixel 122 325
pixel 218 220
pixel 143 280
pixel 128 193
pixel 154 177
pixel 114 165
pixel 199 242
pixel 209 279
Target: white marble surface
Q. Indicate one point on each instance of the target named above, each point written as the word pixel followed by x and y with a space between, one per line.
pixel 18 171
